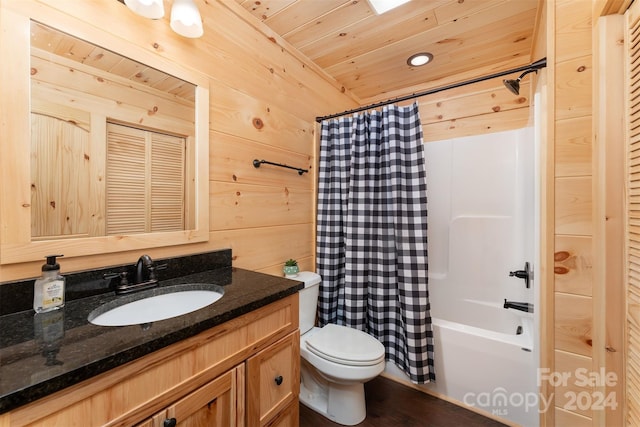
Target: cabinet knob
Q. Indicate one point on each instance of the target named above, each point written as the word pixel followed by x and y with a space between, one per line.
pixel 170 422
pixel 278 380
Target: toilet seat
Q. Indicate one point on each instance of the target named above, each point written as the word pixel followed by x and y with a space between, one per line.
pixel 346 346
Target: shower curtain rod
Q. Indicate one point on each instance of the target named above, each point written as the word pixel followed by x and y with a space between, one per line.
pixel 535 66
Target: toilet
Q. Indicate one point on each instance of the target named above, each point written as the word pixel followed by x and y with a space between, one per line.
pixel 335 361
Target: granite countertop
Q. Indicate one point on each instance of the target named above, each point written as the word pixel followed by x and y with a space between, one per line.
pixel 41 354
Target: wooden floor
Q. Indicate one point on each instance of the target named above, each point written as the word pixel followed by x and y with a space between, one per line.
pixel 390 404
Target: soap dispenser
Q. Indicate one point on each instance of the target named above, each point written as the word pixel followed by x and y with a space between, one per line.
pixel 48 291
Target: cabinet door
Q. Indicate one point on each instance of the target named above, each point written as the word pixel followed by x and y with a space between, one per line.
pixel 212 405
pixel 289 417
pixel 273 381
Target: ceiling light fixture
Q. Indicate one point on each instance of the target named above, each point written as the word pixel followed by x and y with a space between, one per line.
pixel 382 6
pixel 185 16
pixel 185 19
pixel 419 59
pixel 153 9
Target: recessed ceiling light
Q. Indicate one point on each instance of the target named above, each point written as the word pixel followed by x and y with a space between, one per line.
pixel 419 59
pixel 382 6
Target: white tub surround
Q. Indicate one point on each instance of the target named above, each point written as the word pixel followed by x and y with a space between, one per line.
pixel 481 227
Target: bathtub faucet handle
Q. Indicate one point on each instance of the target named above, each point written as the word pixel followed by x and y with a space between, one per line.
pixel 526 274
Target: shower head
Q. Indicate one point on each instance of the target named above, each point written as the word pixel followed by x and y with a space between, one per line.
pixel 514 85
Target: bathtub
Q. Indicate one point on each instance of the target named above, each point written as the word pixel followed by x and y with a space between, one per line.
pixel 487 371
pixel 480 227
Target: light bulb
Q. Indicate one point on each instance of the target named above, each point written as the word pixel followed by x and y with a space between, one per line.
pixel 419 59
pixel 153 9
pixel 185 19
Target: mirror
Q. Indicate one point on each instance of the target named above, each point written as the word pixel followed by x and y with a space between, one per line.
pixel 108 142
pixel 118 151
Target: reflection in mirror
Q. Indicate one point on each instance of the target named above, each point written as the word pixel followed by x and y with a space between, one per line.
pixel 112 142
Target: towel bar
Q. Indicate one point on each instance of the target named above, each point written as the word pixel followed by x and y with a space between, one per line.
pixel 257 163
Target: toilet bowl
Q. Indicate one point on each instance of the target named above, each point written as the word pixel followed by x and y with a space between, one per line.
pixel 336 361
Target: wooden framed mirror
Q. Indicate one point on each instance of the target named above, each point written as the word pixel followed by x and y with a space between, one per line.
pixel 105 144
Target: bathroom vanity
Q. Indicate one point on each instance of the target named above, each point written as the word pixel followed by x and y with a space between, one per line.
pixel 233 363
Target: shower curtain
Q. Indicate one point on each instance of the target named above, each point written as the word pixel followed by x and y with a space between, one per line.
pixel 372 233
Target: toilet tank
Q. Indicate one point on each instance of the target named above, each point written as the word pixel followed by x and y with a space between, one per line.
pixel 308 299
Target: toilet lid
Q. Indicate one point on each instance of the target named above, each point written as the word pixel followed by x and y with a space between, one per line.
pixel 346 346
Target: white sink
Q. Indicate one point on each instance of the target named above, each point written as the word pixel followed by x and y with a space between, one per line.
pixel 151 307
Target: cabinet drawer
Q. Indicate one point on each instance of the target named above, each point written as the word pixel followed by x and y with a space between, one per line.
pixel 273 380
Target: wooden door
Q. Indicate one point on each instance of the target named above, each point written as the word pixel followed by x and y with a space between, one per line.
pixel 212 405
pixel 632 204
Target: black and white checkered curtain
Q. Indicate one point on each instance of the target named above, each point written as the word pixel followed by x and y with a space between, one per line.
pixel 372 233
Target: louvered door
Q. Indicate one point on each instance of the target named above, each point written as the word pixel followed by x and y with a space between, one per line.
pixel 632 89
pixel 145 181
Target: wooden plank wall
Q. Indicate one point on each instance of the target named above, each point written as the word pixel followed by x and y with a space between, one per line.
pixel 263 103
pixel 609 214
pixel 573 302
pixel 264 99
pixel 476 109
pixel 583 314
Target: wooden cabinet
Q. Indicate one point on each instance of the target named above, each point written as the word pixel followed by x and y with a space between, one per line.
pixel 202 380
pixel 289 417
pixel 212 405
pixel 273 380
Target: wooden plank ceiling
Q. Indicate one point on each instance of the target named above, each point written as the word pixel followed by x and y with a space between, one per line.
pixel 366 53
pixel 52 41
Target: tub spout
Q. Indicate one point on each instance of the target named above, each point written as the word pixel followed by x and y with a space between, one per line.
pixel 522 306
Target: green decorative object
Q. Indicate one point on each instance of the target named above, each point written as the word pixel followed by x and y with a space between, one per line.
pixel 291 267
